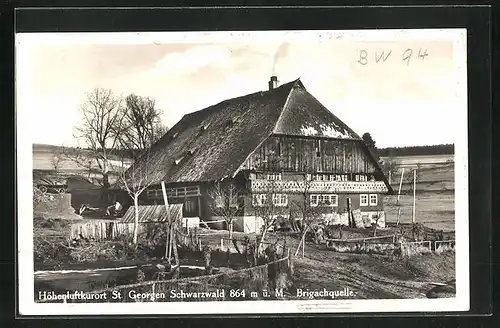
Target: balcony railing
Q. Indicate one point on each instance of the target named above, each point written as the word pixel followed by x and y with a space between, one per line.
pixel 261 185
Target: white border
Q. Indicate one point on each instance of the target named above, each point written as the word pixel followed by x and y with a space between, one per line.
pixel 27 306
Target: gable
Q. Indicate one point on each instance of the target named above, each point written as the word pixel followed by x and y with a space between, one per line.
pixel 304 115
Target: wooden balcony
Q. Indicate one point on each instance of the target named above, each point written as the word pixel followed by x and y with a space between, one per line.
pixel 354 187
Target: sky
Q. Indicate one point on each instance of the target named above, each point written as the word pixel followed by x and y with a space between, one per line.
pixel 409 97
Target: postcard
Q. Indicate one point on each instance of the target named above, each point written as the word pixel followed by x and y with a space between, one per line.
pixel 249 172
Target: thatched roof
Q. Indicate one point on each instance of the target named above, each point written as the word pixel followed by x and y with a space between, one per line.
pixel 213 143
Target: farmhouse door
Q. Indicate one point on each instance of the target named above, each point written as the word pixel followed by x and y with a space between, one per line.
pixel 190 208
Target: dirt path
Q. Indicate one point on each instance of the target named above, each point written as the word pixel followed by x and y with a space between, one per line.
pixel 369 276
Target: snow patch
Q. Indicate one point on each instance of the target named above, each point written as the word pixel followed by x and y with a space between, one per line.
pixel 325 130
pixel 309 131
pixel 333 132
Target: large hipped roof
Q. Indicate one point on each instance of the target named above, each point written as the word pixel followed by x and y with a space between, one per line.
pixel 212 143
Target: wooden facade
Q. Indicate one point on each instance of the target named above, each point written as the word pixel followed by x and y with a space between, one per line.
pixel 301 154
pixel 294 167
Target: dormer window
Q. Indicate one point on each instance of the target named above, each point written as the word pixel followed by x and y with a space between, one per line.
pixel 177 161
pixel 175 135
pixel 204 127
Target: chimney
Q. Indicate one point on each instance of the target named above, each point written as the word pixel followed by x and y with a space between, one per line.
pixel 273 82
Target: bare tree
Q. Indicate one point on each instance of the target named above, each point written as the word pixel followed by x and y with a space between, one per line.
pixel 57 158
pixel 310 213
pixel 269 206
pixel 102 125
pixel 142 125
pixel 136 179
pixel 226 203
pixel 389 167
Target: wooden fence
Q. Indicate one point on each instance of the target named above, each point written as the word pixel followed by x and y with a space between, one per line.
pixel 424 244
pixel 362 240
pixel 103 230
pixel 441 244
pixel 372 244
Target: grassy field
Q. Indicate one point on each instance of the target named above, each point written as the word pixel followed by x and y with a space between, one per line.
pixel 433 209
pixel 420 159
pixel 435 198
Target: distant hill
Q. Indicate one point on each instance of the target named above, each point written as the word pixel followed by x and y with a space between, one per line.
pixel 444 149
pixel 43 159
pixel 44 148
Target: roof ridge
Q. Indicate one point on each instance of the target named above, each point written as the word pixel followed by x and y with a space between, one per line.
pixel 292 83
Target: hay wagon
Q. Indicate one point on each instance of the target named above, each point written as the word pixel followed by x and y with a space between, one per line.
pixel 52 185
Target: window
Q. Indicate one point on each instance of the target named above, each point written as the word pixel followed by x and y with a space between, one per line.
pixel 324 200
pixel 182 192
pixel 323 177
pixel 259 199
pixel 154 193
pixel 357 177
pixel 280 199
pixel 373 200
pixel 177 161
pixel 363 200
pixel 274 176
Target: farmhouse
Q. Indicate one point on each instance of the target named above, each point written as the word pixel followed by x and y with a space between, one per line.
pixel 278 147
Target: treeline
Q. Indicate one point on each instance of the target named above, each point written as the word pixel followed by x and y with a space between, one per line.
pixel 444 149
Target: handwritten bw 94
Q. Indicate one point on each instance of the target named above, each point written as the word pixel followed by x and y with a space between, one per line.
pixel 378 57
